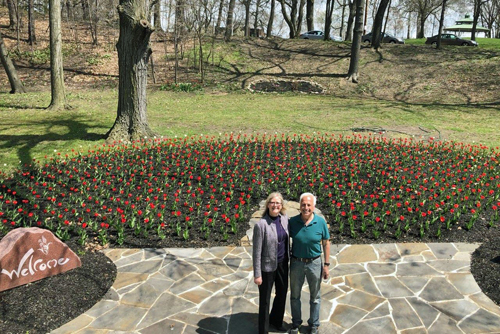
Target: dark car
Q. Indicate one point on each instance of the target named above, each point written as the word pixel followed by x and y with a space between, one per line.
pixel 386 39
pixel 318 34
pixel 450 39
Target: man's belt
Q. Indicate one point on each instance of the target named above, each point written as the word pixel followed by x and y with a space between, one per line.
pixel 305 260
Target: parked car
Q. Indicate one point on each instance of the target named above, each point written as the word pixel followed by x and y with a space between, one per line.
pixel 318 34
pixel 385 39
pixel 450 39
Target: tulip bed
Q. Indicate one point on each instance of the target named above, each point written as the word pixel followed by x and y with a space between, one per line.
pixel 201 191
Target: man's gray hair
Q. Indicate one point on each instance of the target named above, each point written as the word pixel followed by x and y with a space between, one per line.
pixel 306 195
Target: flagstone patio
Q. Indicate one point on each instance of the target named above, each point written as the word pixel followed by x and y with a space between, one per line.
pixel 380 288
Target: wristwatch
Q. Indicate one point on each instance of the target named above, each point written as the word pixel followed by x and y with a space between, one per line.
pixel 326 264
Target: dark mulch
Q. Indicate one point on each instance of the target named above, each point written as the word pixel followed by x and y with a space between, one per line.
pixel 284 86
pixel 47 304
pixel 485 268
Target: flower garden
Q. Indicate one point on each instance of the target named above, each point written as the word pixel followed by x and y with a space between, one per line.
pixel 198 191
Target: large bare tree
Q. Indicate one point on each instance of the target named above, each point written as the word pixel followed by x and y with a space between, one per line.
pixel 12 5
pixel 246 4
pixel 477 11
pixel 423 8
pixel 352 74
pixel 31 23
pixel 133 54
pixel 229 21
pixel 441 24
pixel 350 19
pixel 271 19
pixel 377 24
pixel 56 58
pixel 15 84
pixel 157 14
pixel 294 19
pixel 328 18
pixel 310 14
pixel 219 17
pixel 491 15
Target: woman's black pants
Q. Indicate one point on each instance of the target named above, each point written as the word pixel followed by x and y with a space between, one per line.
pixel 278 278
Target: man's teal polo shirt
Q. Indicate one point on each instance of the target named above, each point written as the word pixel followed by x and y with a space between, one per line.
pixel 307 238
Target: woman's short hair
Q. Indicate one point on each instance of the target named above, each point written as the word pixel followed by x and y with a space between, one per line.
pixel 270 197
pixel 306 195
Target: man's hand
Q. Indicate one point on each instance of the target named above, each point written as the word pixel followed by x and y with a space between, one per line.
pixel 257 280
pixel 326 273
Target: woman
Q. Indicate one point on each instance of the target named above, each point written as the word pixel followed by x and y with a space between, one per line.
pixel 270 262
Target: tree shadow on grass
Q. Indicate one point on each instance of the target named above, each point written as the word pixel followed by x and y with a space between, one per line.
pixel 277 67
pixel 17 106
pixel 23 144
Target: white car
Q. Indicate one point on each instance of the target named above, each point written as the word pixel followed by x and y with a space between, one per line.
pixel 318 34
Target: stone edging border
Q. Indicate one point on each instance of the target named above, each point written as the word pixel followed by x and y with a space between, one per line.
pixel 277 82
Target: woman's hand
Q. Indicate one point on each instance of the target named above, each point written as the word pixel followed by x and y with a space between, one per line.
pixel 257 280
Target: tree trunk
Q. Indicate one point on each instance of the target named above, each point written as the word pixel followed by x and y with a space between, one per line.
pixel 15 84
pixel 247 17
pixel 69 10
pixel 421 26
pixel 294 20
pixel 219 17
pixel 377 24
pixel 350 19
pixel 229 21
pixel 93 19
pixel 271 19
pixel 85 10
pixel 328 18
pixel 179 18
pixel 343 19
pixel 11 4
pixel 477 11
pixel 256 21
pixel 387 17
pixel 31 24
pixel 441 23
pixel 157 15
pixel 409 26
pixel 133 54
pixel 310 15
pixel 352 74
pixel 56 59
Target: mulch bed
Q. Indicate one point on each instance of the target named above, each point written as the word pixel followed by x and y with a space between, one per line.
pixel 47 304
pixel 284 86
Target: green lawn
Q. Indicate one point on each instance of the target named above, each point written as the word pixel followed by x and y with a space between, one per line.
pixel 486 43
pixel 29 132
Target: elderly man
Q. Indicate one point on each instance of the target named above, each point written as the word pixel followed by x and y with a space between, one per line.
pixel 309 232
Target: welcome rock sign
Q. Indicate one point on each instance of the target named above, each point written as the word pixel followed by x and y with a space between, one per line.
pixel 30 254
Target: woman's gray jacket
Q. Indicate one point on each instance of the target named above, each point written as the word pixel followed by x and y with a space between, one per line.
pixel 265 245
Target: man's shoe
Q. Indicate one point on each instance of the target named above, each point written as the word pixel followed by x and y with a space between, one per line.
pixel 294 330
pixel 314 330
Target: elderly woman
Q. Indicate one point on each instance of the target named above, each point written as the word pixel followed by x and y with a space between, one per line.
pixel 270 262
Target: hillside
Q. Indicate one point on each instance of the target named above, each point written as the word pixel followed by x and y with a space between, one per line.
pixel 410 73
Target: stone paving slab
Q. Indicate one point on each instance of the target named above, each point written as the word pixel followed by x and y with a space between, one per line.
pixel 386 288
pixel 206 291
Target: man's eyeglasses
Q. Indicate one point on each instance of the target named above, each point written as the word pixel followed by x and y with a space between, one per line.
pixel 275 203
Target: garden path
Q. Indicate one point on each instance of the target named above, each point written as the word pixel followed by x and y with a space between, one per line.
pixel 386 288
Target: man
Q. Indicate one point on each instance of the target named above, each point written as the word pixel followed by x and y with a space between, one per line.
pixel 309 232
